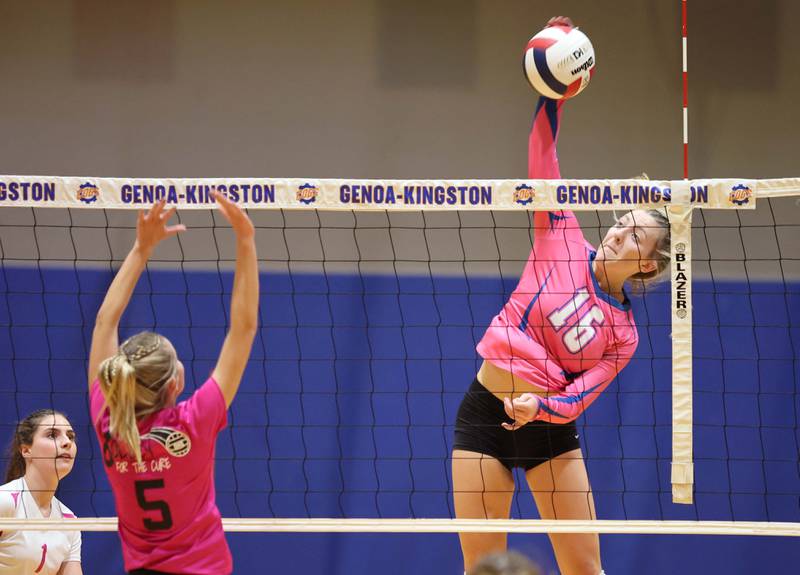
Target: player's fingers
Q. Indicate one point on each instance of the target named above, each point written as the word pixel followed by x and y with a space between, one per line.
pixel 235 212
pixel 560 21
pixel 223 208
pixel 224 204
pixel 509 407
pixel 169 213
pixel 174 230
pixel 158 206
pixel 222 198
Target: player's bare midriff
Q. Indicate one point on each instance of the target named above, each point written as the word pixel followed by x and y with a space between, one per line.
pixel 503 383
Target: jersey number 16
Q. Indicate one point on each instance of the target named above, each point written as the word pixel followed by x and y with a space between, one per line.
pixel 583 331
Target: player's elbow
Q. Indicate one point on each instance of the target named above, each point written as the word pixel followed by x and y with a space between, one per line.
pixel 103 322
pixel 244 318
pixel 245 326
pixel 567 418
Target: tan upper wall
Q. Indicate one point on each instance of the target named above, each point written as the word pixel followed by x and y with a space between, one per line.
pixel 370 88
pixel 390 89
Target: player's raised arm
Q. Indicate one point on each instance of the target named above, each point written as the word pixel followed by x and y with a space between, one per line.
pixel 151 228
pixel 244 302
pixel 543 161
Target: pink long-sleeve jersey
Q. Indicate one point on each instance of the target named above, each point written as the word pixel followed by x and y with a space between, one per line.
pixel 559 330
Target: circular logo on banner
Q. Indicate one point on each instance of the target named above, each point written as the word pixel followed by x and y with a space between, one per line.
pixel 681 313
pixel 680 247
pixel 740 195
pixel 524 194
pixel 88 193
pixel 307 194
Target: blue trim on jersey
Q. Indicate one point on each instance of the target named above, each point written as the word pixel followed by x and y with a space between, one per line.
pixel 551 109
pixel 554 218
pixel 572 375
pixel 577 398
pixel 523 324
pixel 542 101
pixel 567 400
pixel 624 306
pixel 549 411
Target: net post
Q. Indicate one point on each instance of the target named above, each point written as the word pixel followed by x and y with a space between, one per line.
pixel 680 217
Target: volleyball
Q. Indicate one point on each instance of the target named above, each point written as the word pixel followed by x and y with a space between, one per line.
pixel 559 62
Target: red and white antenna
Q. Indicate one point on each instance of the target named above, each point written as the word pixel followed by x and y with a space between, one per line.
pixel 685 96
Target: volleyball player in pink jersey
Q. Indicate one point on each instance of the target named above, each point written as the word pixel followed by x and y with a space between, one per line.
pixel 159 455
pixel 565 333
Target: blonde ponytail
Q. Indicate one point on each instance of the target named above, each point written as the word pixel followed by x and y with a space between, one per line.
pixel 133 383
pixel 661 254
pixel 118 384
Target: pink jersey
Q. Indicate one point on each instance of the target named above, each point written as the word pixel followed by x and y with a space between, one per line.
pixel 168 518
pixel 559 330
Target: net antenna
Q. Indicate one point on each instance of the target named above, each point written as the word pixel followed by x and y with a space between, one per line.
pixel 681 263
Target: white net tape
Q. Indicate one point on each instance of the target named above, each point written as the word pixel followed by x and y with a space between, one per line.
pixel 331 194
pixel 442 526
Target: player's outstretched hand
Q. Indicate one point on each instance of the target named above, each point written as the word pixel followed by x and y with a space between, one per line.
pixel 151 226
pixel 239 221
pixel 521 409
pixel 565 21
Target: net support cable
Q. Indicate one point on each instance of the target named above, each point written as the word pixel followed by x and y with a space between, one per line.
pixel 245 525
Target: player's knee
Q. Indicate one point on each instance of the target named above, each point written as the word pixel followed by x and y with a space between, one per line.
pixel 584 566
pixel 496 514
pixel 588 566
pixel 475 546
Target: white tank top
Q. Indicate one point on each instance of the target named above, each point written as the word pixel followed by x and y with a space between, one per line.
pixel 34 552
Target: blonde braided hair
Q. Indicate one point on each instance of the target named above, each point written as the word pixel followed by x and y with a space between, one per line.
pixel 133 383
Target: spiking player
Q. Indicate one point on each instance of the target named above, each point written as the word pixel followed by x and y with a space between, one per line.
pixel 159 456
pixel 566 331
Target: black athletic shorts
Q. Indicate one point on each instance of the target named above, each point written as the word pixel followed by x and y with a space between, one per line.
pixel 478 429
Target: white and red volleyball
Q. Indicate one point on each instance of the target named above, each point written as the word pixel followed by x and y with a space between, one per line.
pixel 559 62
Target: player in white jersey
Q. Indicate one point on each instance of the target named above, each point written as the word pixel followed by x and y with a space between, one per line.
pixel 41 454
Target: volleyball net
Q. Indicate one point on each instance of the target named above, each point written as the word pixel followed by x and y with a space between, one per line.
pixel 374 295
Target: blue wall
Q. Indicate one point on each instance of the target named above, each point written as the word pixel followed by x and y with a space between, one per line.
pixel 350 414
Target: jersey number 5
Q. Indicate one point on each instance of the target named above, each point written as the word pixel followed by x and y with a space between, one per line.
pixel 157 505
